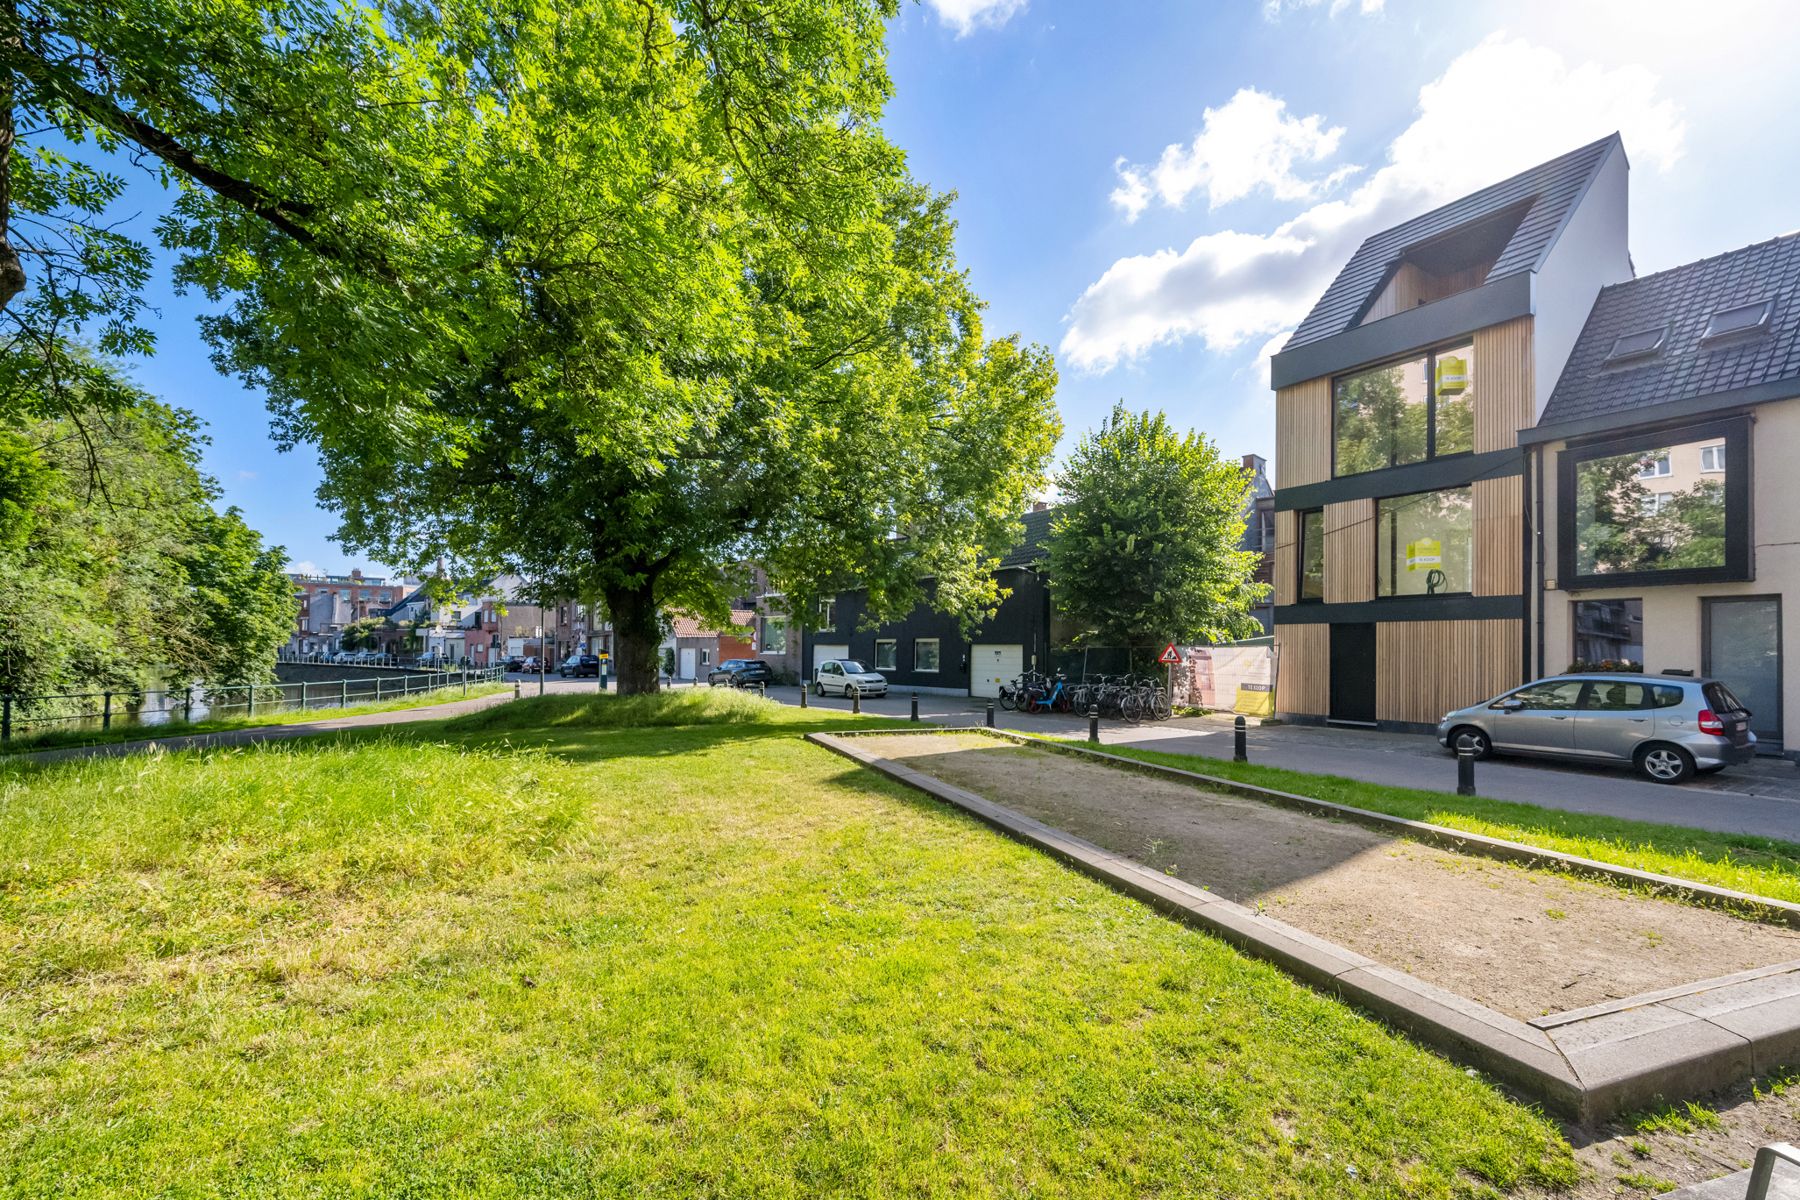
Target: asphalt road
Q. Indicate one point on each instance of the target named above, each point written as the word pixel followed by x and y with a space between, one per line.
pixel 1758 798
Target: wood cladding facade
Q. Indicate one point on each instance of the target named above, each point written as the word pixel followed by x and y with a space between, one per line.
pixel 1287 556
pixel 1424 669
pixel 1498 551
pixel 1302 668
pixel 1350 552
pixel 1502 384
pixel 1303 433
pixel 1411 287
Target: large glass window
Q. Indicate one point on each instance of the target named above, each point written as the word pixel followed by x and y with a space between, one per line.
pixel 1656 509
pixel 925 654
pixel 1405 412
pixel 887 654
pixel 1422 543
pixel 1609 635
pixel 1312 554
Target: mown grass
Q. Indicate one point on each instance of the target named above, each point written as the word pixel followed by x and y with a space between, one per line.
pixel 58 738
pixel 501 958
pixel 1758 865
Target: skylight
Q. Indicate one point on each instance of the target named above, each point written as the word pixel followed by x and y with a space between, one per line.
pixel 1638 345
pixel 1742 318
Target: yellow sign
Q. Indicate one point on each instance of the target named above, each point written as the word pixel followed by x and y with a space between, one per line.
pixel 1424 554
pixel 1452 375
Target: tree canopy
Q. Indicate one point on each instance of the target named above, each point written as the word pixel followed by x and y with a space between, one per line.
pixel 607 293
pixel 1145 545
pixel 117 570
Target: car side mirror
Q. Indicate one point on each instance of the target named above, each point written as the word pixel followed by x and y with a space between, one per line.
pixel 1510 705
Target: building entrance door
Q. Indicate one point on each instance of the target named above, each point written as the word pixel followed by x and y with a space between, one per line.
pixel 1353 674
pixel 1743 648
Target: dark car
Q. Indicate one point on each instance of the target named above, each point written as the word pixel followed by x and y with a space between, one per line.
pixel 516 663
pixel 577 665
pixel 741 672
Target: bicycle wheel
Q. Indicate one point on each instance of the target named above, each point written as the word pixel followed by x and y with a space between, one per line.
pixel 1131 708
pixel 1008 700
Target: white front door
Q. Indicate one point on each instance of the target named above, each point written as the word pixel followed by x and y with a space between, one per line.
pixel 824 653
pixel 991 665
pixel 687 663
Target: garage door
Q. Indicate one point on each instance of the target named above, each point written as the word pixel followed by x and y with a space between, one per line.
pixel 991 665
pixel 825 653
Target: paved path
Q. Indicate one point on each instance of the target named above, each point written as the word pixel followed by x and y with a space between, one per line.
pixel 264 733
pixel 1759 798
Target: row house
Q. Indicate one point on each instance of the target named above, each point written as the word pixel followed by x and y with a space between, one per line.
pixel 325 603
pixel 1500 454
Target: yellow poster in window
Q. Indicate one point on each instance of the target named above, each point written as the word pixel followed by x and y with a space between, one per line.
pixel 1452 375
pixel 1424 554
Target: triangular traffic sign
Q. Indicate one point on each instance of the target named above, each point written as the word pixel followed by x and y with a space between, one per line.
pixel 1170 655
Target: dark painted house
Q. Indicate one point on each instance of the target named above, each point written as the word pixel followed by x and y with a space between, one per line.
pixel 926 650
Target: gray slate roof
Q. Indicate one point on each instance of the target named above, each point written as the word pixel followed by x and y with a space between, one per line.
pixel 1031 547
pixel 1684 298
pixel 1553 188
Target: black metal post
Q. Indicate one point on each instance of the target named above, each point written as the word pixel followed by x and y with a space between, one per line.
pixel 990 714
pixel 1240 747
pixel 803 690
pixel 1465 770
pixel 1094 723
pixel 343 693
pixel 915 706
pixel 515 689
pixel 106 712
pixel 250 701
pixel 855 699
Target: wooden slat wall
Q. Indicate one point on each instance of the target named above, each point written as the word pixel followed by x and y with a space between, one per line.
pixel 1426 668
pixel 1303 669
pixel 1287 549
pixel 1411 287
pixel 1350 552
pixel 1499 532
pixel 1503 374
pixel 1303 433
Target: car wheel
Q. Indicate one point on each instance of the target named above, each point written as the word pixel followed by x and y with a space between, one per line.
pixel 1468 735
pixel 1663 763
pixel 818 688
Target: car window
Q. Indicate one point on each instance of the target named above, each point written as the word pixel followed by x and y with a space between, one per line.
pixel 851 666
pixel 832 668
pixel 1616 695
pixel 1667 695
pixel 1562 694
pixel 1722 698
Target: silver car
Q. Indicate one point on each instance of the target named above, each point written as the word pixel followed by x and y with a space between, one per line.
pixel 842 675
pixel 1666 726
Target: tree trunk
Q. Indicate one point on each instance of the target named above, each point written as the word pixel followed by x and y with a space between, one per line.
pixel 635 638
pixel 12 272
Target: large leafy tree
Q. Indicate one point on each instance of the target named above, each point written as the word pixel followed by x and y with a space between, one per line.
pixel 1145 545
pixel 609 292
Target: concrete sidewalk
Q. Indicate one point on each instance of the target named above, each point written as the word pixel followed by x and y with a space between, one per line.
pixel 1761 798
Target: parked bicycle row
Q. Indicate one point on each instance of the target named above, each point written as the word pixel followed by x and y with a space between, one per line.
pixel 1123 697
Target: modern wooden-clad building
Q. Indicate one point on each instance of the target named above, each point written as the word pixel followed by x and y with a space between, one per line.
pixel 1402 578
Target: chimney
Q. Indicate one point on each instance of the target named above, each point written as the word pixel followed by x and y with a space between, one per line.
pixel 1039 506
pixel 1255 463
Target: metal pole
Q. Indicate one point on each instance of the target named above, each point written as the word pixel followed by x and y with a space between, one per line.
pixel 515 689
pixel 1093 722
pixel 187 704
pixel 5 718
pixel 803 690
pixel 855 699
pixel 106 713
pixel 990 714
pixel 1240 748
pixel 915 706
pixel 1465 770
pixel 250 701
pixel 541 666
pixel 343 693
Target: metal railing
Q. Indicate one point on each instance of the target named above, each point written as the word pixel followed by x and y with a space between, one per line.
pixel 1762 1172
pixel 23 715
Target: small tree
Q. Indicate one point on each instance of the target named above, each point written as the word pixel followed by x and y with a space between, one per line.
pixel 1145 544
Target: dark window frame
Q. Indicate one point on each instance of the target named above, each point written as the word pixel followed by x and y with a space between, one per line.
pixel 1375 560
pixel 1300 596
pixel 1739 565
pixel 1430 356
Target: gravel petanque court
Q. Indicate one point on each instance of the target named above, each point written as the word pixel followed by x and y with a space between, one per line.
pixel 1525 942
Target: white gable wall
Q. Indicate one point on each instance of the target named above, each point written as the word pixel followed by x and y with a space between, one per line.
pixel 1592 251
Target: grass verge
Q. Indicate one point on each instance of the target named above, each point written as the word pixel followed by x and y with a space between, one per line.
pixel 583 957
pixel 57 739
pixel 1744 862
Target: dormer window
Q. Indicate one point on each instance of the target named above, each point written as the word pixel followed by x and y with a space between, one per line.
pixel 1738 320
pixel 1635 346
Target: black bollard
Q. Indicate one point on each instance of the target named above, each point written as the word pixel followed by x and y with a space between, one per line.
pixel 1240 749
pixel 915 706
pixel 990 719
pixel 1094 723
pixel 803 690
pixel 856 700
pixel 1465 770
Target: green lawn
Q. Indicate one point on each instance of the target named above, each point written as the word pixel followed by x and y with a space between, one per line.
pixel 56 738
pixel 585 947
pixel 1758 865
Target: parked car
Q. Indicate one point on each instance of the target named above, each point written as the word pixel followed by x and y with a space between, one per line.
pixel 577 665
pixel 1669 727
pixel 840 675
pixel 530 664
pixel 432 660
pixel 515 663
pixel 738 672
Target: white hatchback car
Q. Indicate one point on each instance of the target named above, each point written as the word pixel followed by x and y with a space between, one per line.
pixel 841 676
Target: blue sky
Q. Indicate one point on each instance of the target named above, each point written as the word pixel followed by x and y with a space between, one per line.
pixel 1159 190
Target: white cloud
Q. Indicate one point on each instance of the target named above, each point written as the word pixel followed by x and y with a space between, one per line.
pixel 1251 143
pixel 1498 108
pixel 245 476
pixel 305 566
pixel 966 16
pixel 1274 8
